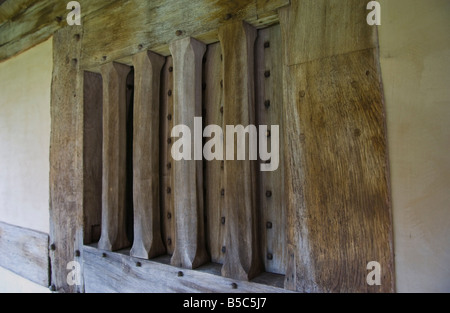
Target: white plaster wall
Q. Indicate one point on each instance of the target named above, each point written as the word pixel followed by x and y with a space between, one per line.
pixel 25 82
pixel 12 283
pixel 415 60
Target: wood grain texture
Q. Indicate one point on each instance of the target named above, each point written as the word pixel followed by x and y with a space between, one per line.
pixel 92 156
pixel 146 190
pixel 25 252
pixel 153 25
pixel 265 7
pixel 242 258
pixel 190 250
pixel 166 167
pixel 114 157
pixel 118 273
pixel 214 170
pixel 324 28
pixel 66 156
pixel 342 221
pixel 338 206
pixel 28 23
pixel 269 111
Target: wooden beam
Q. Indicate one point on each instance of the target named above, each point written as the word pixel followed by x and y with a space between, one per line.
pixel 190 250
pixel 242 257
pixel 25 252
pixel 269 111
pixel 66 156
pixel 335 126
pixel 114 157
pixel 147 224
pixel 120 273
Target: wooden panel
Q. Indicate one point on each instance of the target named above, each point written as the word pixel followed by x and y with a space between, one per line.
pixel 66 156
pixel 166 166
pixel 154 24
pixel 147 224
pixel 214 170
pixel 264 7
pixel 190 250
pixel 269 111
pixel 118 273
pixel 324 28
pixel 242 257
pixel 31 23
pixel 25 252
pixel 338 104
pixel 114 157
pixel 92 156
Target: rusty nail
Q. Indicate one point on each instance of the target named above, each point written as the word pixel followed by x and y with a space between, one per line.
pixel 53 247
pixel 224 249
pixel 179 33
pixel 77 253
pixel 169 215
pixel 222 220
pixel 234 286
pixel 171 69
pixel 269 194
pixel 169 241
pixel 180 274
pixel 169 190
pixel 269 256
pixel 267 74
pixel 138 264
pixel 222 192
pixel 269 225
pixel 267 104
pixel 267 44
pixel 169 93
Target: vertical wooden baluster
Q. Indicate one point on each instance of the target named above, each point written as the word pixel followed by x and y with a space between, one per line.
pixel 114 157
pixel 147 224
pixel 269 99
pixel 166 164
pixel 242 258
pixel 214 175
pixel 190 251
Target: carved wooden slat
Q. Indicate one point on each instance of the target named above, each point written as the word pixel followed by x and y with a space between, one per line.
pixel 147 224
pixel 166 168
pixel 214 170
pixel 114 157
pixel 242 257
pixel 190 250
pixel 269 111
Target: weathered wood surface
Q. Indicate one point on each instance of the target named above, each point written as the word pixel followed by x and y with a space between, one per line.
pixel 25 23
pixel 269 111
pixel 147 223
pixel 92 156
pixel 214 170
pixel 242 257
pixel 324 28
pixel 114 235
pixel 66 155
pixel 154 24
pixel 25 252
pixel 338 201
pixel 190 250
pixel 119 273
pixel 166 167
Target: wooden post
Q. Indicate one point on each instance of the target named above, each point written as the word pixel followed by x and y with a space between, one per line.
pixel 190 251
pixel 242 258
pixel 114 157
pixel 147 224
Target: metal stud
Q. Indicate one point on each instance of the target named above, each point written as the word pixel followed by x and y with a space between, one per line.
pixel 223 220
pixel 179 32
pixel 269 194
pixel 224 249
pixel 267 104
pixel 138 264
pixel 77 253
pixel 180 274
pixel 267 44
pixel 269 256
pixel 53 247
pixel 269 225
pixel 234 286
pixel 267 74
pixel 222 192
